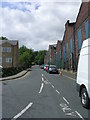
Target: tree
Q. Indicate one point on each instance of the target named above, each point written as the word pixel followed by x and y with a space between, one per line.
pixel 3 38
pixel 40 57
pixel 25 56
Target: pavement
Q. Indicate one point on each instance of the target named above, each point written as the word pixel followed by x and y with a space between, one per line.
pixel 15 76
pixel 69 74
pixel 41 95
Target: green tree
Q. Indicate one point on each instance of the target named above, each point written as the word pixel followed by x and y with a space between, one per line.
pixel 25 56
pixel 3 38
pixel 40 57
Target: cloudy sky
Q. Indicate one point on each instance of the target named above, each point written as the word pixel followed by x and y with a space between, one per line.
pixel 36 24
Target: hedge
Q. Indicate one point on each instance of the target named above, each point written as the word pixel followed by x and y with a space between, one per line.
pixel 11 71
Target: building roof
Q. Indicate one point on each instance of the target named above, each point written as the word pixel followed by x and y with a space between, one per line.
pixel 12 42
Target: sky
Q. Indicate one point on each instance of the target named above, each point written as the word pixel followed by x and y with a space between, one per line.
pixel 38 23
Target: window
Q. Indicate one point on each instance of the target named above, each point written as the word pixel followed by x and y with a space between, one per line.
pixel 67 49
pixel 60 54
pixel 8 60
pixel 79 38
pixel 0 59
pixel 87 29
pixel 6 49
pixel 71 46
pixel 64 53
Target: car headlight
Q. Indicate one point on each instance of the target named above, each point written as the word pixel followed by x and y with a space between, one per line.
pixel 50 69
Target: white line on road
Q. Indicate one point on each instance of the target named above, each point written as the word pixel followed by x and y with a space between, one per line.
pixel 23 111
pixel 57 91
pixel 65 100
pixel 41 87
pixel 69 77
pixel 79 115
pixel 49 83
pixel 52 86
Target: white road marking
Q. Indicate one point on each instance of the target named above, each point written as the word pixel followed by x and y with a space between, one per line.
pixel 52 86
pixel 23 111
pixel 46 82
pixel 41 87
pixel 42 75
pixel 79 115
pixel 71 114
pixel 42 79
pixel 69 77
pixel 65 107
pixel 65 100
pixel 49 83
pixel 57 91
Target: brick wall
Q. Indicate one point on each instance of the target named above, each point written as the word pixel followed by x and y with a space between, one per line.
pixel 83 15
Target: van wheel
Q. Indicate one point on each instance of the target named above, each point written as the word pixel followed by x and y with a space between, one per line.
pixel 84 98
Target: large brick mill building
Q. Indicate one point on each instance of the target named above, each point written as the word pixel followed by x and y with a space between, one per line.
pixel 68 50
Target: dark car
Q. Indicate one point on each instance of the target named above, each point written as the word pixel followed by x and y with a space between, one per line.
pixel 52 69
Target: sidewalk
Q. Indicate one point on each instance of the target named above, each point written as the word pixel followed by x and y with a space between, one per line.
pixel 15 76
pixel 69 74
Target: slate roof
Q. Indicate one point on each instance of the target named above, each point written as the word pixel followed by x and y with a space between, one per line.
pixel 12 42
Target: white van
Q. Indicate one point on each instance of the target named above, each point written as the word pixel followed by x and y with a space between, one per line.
pixel 83 74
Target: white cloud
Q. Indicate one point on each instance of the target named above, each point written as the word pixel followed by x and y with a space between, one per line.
pixel 40 27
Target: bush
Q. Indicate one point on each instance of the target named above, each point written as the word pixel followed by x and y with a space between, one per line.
pixel 11 71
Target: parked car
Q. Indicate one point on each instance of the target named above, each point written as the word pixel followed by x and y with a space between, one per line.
pixel 52 69
pixel 83 74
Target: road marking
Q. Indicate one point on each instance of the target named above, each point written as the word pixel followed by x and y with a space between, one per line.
pixel 65 107
pixel 65 100
pixel 23 111
pixel 49 83
pixel 42 75
pixel 42 79
pixel 41 87
pixel 67 110
pixel 57 91
pixel 79 115
pixel 52 86
pixel 69 77
pixel 71 114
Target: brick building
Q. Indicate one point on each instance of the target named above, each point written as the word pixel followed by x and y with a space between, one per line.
pixel 75 33
pixel 46 58
pixel 50 55
pixel 82 27
pixel 67 51
pixel 68 46
pixel 58 54
pixel 9 53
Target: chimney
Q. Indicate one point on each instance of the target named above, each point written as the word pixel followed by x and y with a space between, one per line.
pixel 66 25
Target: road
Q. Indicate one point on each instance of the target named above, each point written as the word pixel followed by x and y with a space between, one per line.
pixel 41 95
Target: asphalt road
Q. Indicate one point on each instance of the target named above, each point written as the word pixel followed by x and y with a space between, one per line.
pixel 37 96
